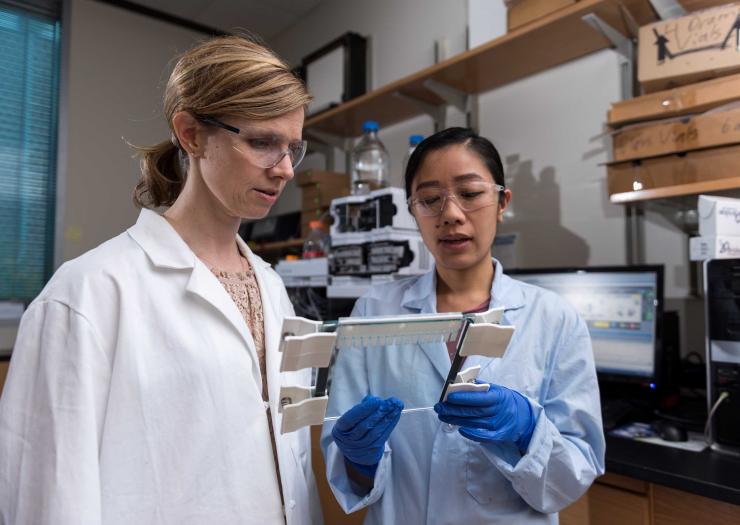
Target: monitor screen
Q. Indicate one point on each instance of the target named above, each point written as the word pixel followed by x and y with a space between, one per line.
pixel 621 307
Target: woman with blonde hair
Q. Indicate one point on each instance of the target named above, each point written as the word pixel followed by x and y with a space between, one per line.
pixel 145 377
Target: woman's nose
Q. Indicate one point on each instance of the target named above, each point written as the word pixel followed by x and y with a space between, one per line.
pixel 283 169
pixel 451 211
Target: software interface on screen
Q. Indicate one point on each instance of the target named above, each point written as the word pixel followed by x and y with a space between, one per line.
pixel 619 309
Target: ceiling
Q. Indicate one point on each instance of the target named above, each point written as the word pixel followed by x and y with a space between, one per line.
pixel 266 18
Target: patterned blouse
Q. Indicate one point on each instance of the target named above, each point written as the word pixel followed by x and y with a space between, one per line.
pixel 245 292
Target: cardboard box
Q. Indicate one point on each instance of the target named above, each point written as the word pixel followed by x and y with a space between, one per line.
pixel 330 178
pixel 718 216
pixel 716 247
pixel 674 170
pixel 662 137
pixel 688 49
pixel 522 12
pixel 695 5
pixel 694 98
pixel 321 195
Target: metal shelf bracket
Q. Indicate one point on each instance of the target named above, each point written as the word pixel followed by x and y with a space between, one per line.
pixel 464 102
pixel 437 112
pixel 624 46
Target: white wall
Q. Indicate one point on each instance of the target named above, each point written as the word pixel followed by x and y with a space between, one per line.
pixel 560 210
pixel 118 65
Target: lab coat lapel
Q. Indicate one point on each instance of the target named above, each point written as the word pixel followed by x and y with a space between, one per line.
pixel 421 298
pixel 205 285
pixel 272 313
pixel 506 293
pixel 166 249
pixel 270 297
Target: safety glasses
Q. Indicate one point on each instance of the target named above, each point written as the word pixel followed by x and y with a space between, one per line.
pixel 469 196
pixel 263 148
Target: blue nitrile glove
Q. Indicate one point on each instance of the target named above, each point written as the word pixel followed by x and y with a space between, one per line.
pixel 362 431
pixel 498 415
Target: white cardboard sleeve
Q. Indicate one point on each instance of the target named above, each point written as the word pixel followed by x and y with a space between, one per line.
pixel 718 216
pixel 715 247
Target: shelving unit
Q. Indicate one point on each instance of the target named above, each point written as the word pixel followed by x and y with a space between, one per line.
pixel 680 190
pixel 554 40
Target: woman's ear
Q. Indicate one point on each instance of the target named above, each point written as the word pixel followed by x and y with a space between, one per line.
pixel 504 199
pixel 187 130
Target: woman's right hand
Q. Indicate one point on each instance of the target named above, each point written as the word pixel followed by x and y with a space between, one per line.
pixel 362 431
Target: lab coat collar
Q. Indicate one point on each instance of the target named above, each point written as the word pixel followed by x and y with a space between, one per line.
pixel 166 249
pixel 421 296
pixel 505 291
pixel 159 240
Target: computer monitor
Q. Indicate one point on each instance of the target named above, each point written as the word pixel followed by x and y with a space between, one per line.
pixel 623 309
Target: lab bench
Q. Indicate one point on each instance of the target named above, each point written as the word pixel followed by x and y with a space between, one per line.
pixel 657 485
pixel 644 484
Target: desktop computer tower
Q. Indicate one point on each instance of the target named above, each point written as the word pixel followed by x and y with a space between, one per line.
pixel 722 310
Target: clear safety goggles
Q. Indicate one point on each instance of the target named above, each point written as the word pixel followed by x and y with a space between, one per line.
pixel 469 196
pixel 263 147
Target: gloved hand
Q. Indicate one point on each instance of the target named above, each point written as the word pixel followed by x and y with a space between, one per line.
pixel 362 431
pixel 498 415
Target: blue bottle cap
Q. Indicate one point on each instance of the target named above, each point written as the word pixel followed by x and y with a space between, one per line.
pixel 415 139
pixel 370 125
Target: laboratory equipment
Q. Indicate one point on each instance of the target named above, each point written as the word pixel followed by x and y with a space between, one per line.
pixel 722 310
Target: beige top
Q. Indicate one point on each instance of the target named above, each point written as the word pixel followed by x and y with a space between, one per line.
pixel 245 292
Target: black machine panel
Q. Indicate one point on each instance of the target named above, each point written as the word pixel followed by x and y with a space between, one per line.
pixel 722 284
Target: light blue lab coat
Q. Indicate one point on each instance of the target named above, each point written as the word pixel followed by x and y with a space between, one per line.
pixel 429 473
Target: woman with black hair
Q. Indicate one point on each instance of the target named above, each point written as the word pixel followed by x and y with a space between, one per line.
pixel 517 453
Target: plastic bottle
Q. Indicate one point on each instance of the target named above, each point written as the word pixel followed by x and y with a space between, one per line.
pixel 370 161
pixel 317 241
pixel 414 141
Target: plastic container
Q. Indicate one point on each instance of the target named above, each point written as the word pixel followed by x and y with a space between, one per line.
pixel 414 141
pixel 317 241
pixel 370 161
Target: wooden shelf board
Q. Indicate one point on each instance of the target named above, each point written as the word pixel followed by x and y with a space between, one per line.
pixel 277 245
pixel 679 190
pixel 553 40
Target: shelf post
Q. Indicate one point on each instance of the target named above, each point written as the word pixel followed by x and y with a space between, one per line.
pixel 635 233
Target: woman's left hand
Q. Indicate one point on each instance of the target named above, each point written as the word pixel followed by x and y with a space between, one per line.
pixel 499 415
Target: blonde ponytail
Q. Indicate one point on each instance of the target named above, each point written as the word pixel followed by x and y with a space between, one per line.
pixel 163 173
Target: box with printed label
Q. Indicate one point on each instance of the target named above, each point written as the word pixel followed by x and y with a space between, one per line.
pixel 718 216
pixel 715 247
pixel 662 137
pixel 683 100
pixel 688 49
pixel 671 171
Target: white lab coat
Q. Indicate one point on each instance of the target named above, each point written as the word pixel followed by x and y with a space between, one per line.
pixel 134 396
